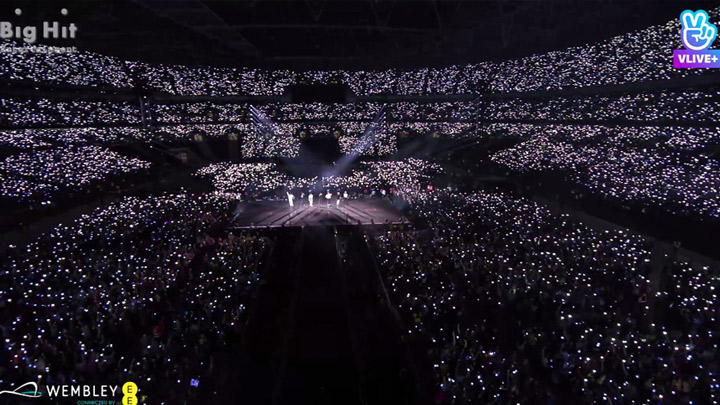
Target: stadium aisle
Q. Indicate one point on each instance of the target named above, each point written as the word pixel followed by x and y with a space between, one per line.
pixel 319 364
pixel 260 352
pixel 387 373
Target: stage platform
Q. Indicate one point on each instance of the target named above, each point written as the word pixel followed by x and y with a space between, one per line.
pixel 263 214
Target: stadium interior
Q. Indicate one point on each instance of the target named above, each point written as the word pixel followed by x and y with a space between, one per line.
pixel 358 202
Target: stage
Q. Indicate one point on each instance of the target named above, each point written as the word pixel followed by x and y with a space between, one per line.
pixel 262 214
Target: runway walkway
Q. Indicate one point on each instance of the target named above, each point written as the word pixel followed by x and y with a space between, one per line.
pixel 319 362
pixel 321 331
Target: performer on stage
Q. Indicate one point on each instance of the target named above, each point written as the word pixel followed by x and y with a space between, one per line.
pixel 291 199
pixel 328 196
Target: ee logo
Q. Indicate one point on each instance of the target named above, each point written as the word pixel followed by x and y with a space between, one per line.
pixel 129 389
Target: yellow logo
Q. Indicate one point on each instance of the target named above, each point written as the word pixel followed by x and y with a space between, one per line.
pixel 130 390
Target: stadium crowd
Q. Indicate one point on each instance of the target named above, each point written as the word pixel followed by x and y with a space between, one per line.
pixel 694 106
pixel 22 113
pixel 663 167
pixel 30 139
pixel 507 302
pixel 583 329
pixel 38 175
pixel 148 290
pixel 633 57
pixel 266 179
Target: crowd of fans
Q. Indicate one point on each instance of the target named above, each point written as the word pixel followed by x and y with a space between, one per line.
pixel 292 122
pixel 266 179
pixel 633 57
pixel 366 111
pixel 186 132
pixel 688 301
pixel 269 145
pixel 78 68
pixel 638 56
pixel 283 139
pixel 408 174
pixel 182 80
pixel 291 118
pixel 376 140
pixel 241 177
pixel 434 129
pixel 147 290
pixel 37 175
pixel 692 106
pixel 433 111
pixel 283 142
pixel 30 139
pixel 81 122
pixel 517 305
pixel 209 112
pixel 183 121
pixel 663 167
pixel 362 111
pixel 663 137
pixel 180 122
pixel 200 112
pixel 22 113
pixel 510 302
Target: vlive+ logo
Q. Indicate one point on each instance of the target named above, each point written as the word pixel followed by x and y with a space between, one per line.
pixel 697 36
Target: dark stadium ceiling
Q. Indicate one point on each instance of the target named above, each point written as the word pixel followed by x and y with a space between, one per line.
pixel 310 34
